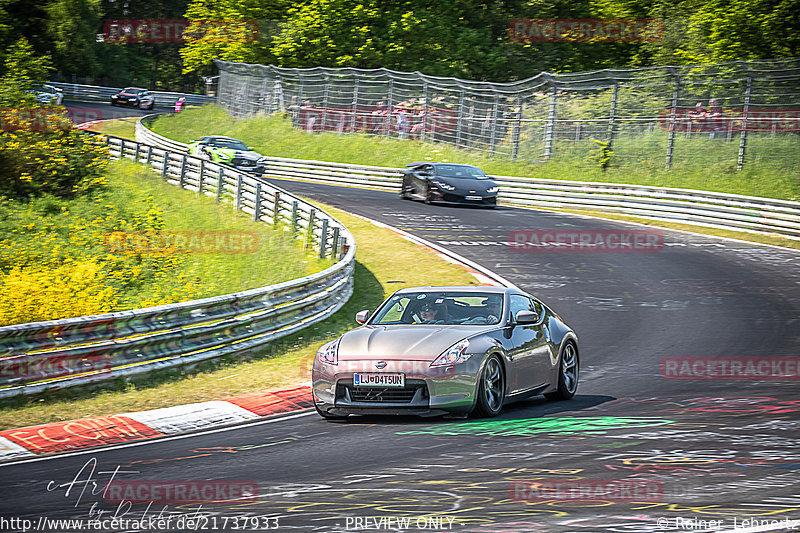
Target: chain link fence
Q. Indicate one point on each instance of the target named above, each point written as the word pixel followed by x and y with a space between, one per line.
pixel 727 114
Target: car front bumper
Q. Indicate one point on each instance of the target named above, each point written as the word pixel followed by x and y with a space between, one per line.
pixel 427 391
pixel 465 199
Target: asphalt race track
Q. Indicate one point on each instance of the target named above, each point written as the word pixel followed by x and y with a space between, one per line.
pixel 636 450
pixel 81 112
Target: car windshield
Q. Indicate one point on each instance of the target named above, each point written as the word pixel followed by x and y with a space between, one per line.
pixel 460 171
pixel 130 90
pixel 437 307
pixel 229 143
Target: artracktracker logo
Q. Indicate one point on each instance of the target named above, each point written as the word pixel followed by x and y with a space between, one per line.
pixel 730 368
pixel 179 492
pixel 586 241
pixel 179 30
pixel 174 242
pixel 586 30
pixel 619 490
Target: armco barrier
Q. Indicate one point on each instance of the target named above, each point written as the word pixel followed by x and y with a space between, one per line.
pixel 95 92
pixel 56 354
pixel 701 208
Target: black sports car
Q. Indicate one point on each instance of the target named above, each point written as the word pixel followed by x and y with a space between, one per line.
pixel 135 97
pixel 449 183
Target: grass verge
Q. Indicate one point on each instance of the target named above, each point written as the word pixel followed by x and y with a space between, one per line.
pixel 274 135
pixel 385 262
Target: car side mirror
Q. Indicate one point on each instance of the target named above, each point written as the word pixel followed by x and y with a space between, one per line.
pixel 362 316
pixel 526 317
pixel 250 148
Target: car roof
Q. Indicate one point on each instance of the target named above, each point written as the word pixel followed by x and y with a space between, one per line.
pixel 223 138
pixel 133 89
pixel 459 288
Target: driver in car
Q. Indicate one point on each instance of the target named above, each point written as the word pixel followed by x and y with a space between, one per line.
pixel 430 313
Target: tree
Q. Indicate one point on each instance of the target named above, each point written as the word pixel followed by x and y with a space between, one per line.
pixel 73 25
pixel 21 68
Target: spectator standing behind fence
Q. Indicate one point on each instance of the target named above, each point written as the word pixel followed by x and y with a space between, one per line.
pixel 697 117
pixel 715 118
pixel 403 123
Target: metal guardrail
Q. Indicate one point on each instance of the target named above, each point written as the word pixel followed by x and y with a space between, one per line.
pixel 95 92
pixel 686 206
pixel 47 355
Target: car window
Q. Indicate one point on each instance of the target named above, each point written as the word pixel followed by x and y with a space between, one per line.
pixel 450 308
pixel 523 303
pixel 460 171
pixel 229 143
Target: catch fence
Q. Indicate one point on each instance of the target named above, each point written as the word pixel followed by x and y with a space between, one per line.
pixel 646 116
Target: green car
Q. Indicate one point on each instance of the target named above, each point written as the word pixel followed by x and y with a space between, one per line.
pixel 229 151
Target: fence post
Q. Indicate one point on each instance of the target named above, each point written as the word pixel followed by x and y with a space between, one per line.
pixel 136 153
pixel 310 230
pixel 325 93
pixel 182 178
pixel 200 178
pixel 220 183
pixel 295 206
pixel 237 204
pixel 276 209
pixel 257 203
pixel 323 240
pixel 673 118
pixel 460 119
pixel 494 124
pixel 612 120
pixel 389 106
pixel 122 148
pixel 517 130
pixel 745 112
pixel 165 164
pixel 149 155
pixel 354 105
pixel 424 109
pixel 335 244
pixel 549 129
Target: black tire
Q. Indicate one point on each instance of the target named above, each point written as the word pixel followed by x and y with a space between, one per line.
pixel 491 389
pixel 568 373
pixel 404 192
pixel 152 104
pixel 327 416
pixel 427 199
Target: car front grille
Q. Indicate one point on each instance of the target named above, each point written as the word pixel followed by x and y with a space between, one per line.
pixel 383 395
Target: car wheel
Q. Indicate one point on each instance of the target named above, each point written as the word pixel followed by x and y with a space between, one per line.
pixel 491 388
pixel 404 192
pixel 567 374
pixel 150 107
pixel 427 199
pixel 327 416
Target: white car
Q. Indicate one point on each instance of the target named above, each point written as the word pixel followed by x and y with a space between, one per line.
pixel 46 94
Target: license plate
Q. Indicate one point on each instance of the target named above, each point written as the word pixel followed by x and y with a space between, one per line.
pixel 379 380
pixel 479 198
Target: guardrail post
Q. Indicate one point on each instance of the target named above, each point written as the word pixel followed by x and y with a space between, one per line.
pixel 673 118
pixel 149 155
pixel 165 164
pixel 295 206
pixel 310 230
pixel 220 183
pixel 182 178
pixel 121 148
pixel 257 203
pixel 517 130
pixel 276 209
pixel 335 244
pixel 745 112
pixel 550 126
pixel 237 203
pixel 323 240
pixel 136 153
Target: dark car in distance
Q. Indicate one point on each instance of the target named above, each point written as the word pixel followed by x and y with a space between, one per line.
pixel 448 183
pixel 134 97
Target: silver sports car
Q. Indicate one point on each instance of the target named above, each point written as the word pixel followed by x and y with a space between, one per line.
pixel 447 351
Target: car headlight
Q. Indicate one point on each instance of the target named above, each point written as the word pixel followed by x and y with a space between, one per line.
pixel 444 186
pixel 455 354
pixel 493 189
pixel 329 353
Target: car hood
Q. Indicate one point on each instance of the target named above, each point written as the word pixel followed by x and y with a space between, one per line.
pixel 230 152
pixel 418 342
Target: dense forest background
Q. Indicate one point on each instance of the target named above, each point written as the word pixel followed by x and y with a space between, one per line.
pixel 462 38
